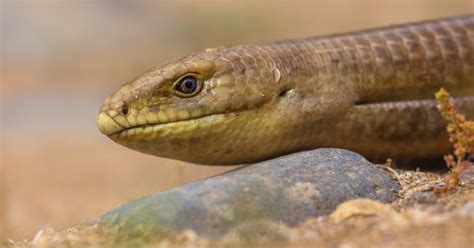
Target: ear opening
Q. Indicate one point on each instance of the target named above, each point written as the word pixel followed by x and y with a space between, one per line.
pixel 285 92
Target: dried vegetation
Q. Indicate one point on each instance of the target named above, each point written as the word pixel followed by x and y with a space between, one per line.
pixel 461 135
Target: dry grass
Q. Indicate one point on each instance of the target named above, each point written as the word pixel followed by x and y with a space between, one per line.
pixel 461 135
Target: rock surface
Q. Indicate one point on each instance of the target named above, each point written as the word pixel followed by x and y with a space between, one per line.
pixel 288 189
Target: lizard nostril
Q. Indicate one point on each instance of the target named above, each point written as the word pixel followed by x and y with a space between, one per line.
pixel 124 110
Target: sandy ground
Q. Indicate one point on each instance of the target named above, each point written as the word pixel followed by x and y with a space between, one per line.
pixel 418 218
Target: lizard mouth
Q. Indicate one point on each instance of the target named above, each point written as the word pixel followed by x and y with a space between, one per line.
pixel 114 130
pixel 155 128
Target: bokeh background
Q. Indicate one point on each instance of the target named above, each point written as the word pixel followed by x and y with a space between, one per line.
pixel 60 59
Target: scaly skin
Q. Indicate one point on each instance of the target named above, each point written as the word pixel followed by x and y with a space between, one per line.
pixel 368 92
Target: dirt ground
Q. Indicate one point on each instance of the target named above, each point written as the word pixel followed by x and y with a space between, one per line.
pixel 419 218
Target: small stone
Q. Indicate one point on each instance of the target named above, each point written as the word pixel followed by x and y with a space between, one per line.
pixel 467 175
pixel 359 207
pixel 467 210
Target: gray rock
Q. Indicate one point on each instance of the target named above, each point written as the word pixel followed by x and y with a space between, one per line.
pixel 288 189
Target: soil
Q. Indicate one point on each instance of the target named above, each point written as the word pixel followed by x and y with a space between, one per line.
pixel 419 217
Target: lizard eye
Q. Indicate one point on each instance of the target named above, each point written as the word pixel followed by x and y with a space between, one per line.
pixel 187 86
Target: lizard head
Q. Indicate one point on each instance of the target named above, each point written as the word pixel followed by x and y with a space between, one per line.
pixel 203 108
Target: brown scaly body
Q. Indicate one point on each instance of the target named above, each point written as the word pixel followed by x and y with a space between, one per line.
pixel 370 92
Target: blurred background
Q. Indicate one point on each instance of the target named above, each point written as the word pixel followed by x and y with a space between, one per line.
pixel 61 59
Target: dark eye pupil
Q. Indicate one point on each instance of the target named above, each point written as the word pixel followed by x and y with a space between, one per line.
pixel 187 85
